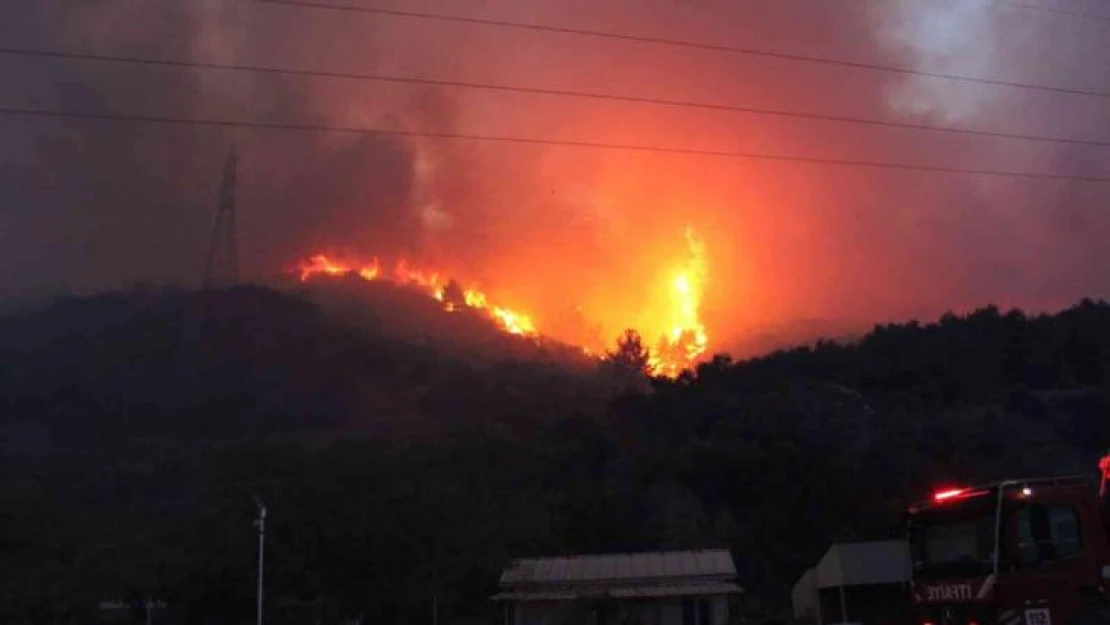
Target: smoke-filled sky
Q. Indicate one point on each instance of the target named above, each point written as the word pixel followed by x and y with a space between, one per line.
pixel 88 205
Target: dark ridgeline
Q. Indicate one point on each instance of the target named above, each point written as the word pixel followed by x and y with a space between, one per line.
pixel 401 453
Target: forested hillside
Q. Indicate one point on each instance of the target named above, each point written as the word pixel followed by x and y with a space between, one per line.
pixel 136 428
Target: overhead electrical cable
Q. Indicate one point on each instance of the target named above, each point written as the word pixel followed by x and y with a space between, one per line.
pixel 1025 6
pixel 91 116
pixel 683 43
pixel 546 92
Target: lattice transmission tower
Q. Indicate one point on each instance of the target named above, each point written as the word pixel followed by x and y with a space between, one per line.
pixel 222 264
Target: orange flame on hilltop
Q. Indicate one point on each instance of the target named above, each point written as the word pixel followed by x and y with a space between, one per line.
pixel 320 264
pixel 508 320
pixel 675 310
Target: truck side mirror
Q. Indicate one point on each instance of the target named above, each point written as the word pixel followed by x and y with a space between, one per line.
pixel 1106 572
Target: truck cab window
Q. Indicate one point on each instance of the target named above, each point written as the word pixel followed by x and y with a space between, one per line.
pixel 1046 533
pixel 954 540
pixel 1063 523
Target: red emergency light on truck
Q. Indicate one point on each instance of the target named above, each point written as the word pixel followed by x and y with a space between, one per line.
pixel 1016 552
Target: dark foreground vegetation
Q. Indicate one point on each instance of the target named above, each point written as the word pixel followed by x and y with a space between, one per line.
pixel 136 428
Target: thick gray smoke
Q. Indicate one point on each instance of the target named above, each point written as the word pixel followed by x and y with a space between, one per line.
pixel 90 205
pixel 97 204
pixel 1019 243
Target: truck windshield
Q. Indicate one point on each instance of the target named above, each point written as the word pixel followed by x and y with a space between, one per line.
pixel 954 539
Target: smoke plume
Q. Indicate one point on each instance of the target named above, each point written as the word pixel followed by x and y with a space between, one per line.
pixel 576 235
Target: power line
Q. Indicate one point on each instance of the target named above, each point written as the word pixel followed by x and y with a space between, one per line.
pixel 535 141
pixel 546 92
pixel 683 43
pixel 1051 10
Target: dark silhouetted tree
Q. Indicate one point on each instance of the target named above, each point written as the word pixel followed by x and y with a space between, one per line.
pixel 144 422
pixel 454 295
pixel 630 355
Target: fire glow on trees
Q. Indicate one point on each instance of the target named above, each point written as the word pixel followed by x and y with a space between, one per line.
pixel 681 342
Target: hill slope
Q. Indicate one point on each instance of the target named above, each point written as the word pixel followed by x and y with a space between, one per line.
pixel 138 427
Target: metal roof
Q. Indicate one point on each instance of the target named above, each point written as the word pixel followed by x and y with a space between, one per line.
pixel 682 590
pixel 865 563
pixel 622 592
pixel 535 596
pixel 620 567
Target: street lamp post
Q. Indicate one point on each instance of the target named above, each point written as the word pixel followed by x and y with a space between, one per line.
pixel 260 522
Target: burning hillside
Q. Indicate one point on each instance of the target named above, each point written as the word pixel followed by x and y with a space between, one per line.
pixel 674 317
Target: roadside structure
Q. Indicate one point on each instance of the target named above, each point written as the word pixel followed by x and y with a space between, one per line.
pixel 649 588
pixel 864 583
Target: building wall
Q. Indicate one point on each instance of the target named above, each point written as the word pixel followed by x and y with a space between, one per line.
pixel 542 612
pixel 665 611
pixel 671 612
pixel 720 610
pixel 879 604
pixel 804 597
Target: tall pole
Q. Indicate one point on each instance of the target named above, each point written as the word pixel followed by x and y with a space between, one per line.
pixel 222 263
pixel 261 523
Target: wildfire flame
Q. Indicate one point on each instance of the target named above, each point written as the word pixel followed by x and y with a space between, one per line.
pixel 687 339
pixel 510 321
pixel 684 338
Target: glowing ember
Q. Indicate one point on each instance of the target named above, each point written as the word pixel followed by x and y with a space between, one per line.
pixel 674 312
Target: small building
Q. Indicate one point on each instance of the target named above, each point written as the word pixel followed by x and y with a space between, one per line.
pixel 804 598
pixel 865 583
pixel 653 588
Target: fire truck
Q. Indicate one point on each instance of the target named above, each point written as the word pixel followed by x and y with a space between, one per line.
pixel 1016 552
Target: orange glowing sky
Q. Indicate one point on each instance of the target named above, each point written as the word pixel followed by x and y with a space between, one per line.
pixel 580 238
